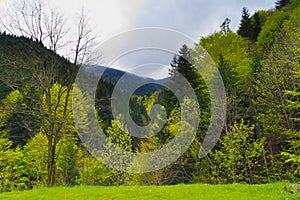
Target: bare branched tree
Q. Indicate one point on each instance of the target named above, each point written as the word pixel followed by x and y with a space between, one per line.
pixel 55 30
pixel 85 39
pixel 44 24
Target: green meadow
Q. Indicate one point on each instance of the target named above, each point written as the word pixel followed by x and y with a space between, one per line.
pixel 178 192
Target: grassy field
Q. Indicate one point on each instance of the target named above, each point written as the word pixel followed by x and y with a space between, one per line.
pixel 177 192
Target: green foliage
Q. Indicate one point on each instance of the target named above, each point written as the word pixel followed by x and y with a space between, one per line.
pixel 250 27
pixel 11 167
pixel 183 64
pixel 291 58
pixel 269 31
pixel 58 110
pixel 117 135
pixel 233 49
pixel 231 55
pixel 277 96
pixel 10 105
pixel 67 164
pixel 35 160
pixel 93 172
pixel 238 159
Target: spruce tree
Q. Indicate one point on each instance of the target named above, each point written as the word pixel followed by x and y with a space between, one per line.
pixel 182 64
pixel 245 29
pixel 282 3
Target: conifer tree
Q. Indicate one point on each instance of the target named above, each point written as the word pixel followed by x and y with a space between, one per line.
pixel 245 25
pixel 282 3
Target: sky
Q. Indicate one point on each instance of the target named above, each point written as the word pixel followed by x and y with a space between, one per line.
pixel 194 18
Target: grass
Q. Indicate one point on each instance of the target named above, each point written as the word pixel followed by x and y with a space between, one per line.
pixel 177 192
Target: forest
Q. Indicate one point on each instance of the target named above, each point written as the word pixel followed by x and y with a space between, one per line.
pixel 260 142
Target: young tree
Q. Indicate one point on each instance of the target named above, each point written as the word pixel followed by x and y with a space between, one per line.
pixel 122 140
pixel 240 154
pixel 225 26
pixel 67 163
pixel 11 167
pixel 35 160
pixel 270 29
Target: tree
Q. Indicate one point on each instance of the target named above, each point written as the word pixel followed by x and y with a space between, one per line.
pixel 5 151
pixel 277 87
pixel 256 26
pixel 270 29
pixel 289 58
pixel 93 172
pixel 245 29
pixel 11 167
pixel 225 26
pixel 183 64
pixel 230 52
pixel 282 3
pixel 35 160
pixel 117 134
pixel 250 27
pixel 46 26
pixel 9 105
pixel 67 163
pixel 240 154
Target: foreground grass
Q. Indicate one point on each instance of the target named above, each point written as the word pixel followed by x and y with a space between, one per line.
pixel 177 192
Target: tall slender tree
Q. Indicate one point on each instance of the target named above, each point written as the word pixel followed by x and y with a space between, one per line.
pixel 282 3
pixel 245 29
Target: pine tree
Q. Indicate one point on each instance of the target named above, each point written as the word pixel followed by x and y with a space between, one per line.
pixel 182 64
pixel 282 3
pixel 245 29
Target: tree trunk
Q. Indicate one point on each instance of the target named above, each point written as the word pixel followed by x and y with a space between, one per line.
pixel 51 164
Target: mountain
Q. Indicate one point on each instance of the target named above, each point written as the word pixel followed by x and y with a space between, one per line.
pixel 148 85
pixel 10 44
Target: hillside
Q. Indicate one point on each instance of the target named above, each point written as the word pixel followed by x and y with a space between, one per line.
pixel 149 85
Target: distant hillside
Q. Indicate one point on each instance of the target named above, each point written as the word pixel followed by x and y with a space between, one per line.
pixel 30 53
pixel 113 75
pixel 10 44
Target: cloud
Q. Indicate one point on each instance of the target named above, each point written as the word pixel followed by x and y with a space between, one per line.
pixel 194 18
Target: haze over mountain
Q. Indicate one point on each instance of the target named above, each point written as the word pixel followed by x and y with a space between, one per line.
pixel 148 85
